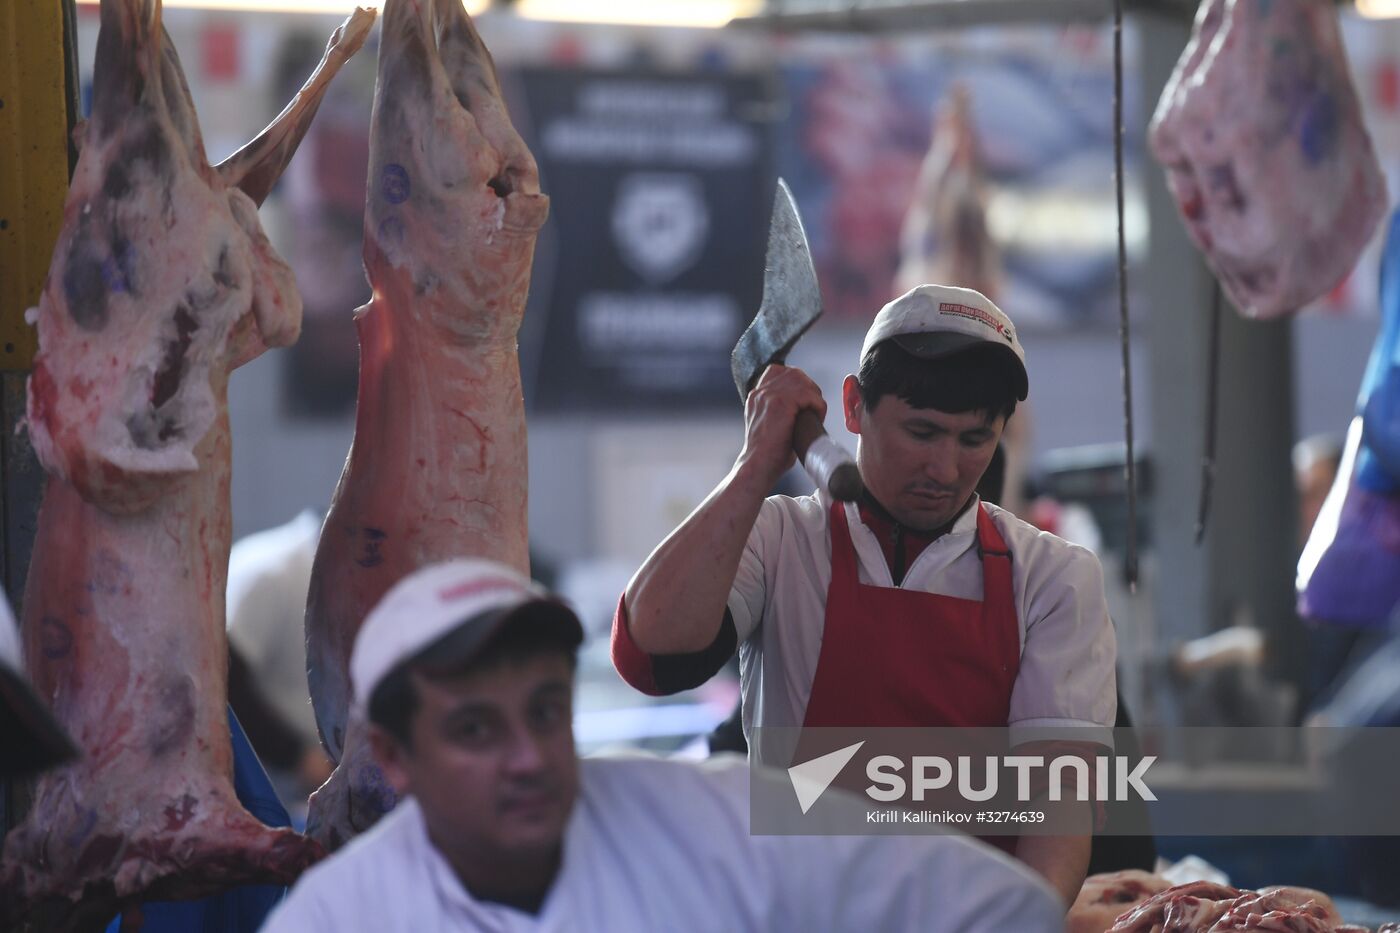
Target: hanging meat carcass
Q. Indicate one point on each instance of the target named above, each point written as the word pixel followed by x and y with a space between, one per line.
pixel 437 468
pixel 161 283
pixel 945 237
pixel 1261 135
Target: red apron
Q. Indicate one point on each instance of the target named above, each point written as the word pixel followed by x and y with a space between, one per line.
pixel 893 657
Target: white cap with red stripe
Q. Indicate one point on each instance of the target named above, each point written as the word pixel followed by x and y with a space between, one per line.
pixel 933 321
pixel 435 600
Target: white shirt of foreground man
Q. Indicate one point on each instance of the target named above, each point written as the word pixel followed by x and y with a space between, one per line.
pixel 604 844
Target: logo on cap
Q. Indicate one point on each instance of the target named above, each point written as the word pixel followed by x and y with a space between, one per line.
pixel 463 590
pixel 977 314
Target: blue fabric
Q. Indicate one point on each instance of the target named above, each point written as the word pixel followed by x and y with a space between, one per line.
pixel 1355 580
pixel 238 910
pixel 1378 464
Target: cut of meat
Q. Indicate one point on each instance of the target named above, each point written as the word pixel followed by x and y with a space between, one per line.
pixel 161 282
pixel 437 468
pixel 1182 909
pixel 149 276
pixel 1314 903
pixel 1261 135
pixel 1203 907
pixel 157 262
pixel 1103 898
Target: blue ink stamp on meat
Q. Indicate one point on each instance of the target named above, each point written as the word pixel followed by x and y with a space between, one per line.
pixel 1320 127
pixel 394 183
pixel 112 275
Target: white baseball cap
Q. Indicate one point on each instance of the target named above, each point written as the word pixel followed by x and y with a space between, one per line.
pixel 438 599
pixel 933 321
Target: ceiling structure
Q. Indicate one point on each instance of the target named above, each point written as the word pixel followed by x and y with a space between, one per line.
pixel 871 15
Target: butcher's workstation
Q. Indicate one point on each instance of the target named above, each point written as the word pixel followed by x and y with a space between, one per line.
pixel 1081 318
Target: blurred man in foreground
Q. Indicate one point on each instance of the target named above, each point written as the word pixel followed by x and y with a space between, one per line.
pixel 465 671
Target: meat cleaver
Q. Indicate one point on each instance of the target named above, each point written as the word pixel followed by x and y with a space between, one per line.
pixel 792 302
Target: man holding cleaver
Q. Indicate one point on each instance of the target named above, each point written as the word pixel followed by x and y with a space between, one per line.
pixel 915 604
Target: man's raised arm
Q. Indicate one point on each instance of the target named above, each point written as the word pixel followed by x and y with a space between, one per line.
pixel 675 603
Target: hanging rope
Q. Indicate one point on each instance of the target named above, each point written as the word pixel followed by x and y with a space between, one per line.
pixel 1212 416
pixel 1130 562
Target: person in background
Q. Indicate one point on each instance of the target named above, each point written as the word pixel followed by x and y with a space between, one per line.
pixel 268 578
pixel 465 672
pixel 917 606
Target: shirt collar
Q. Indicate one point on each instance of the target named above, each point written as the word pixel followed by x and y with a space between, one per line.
pixel 900 545
pixel 878 518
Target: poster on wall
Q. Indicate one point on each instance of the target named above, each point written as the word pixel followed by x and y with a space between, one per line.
pixel 651 264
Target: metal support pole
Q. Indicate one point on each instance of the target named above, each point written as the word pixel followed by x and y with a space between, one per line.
pixel 38 107
pixel 1243 569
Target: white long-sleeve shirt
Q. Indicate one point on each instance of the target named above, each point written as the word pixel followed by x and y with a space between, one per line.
pixel 659 845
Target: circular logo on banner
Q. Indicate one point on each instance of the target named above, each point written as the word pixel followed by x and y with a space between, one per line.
pixel 660 223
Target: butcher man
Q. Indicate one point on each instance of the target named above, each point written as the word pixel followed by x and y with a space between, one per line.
pixel 917 606
pixel 466 673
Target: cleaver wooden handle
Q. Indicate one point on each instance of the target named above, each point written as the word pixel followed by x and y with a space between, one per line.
pixel 826 461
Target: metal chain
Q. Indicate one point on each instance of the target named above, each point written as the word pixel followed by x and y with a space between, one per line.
pixel 1212 417
pixel 1130 563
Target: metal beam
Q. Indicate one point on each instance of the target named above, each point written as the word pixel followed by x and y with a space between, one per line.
pixel 890 15
pixel 34 124
pixel 38 105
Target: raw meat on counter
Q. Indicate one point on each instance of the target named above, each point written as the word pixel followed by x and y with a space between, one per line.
pixel 1261 135
pixel 1150 904
pixel 1104 897
pixel 437 468
pixel 162 281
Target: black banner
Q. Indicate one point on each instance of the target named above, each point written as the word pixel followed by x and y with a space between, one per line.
pixel 651 265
